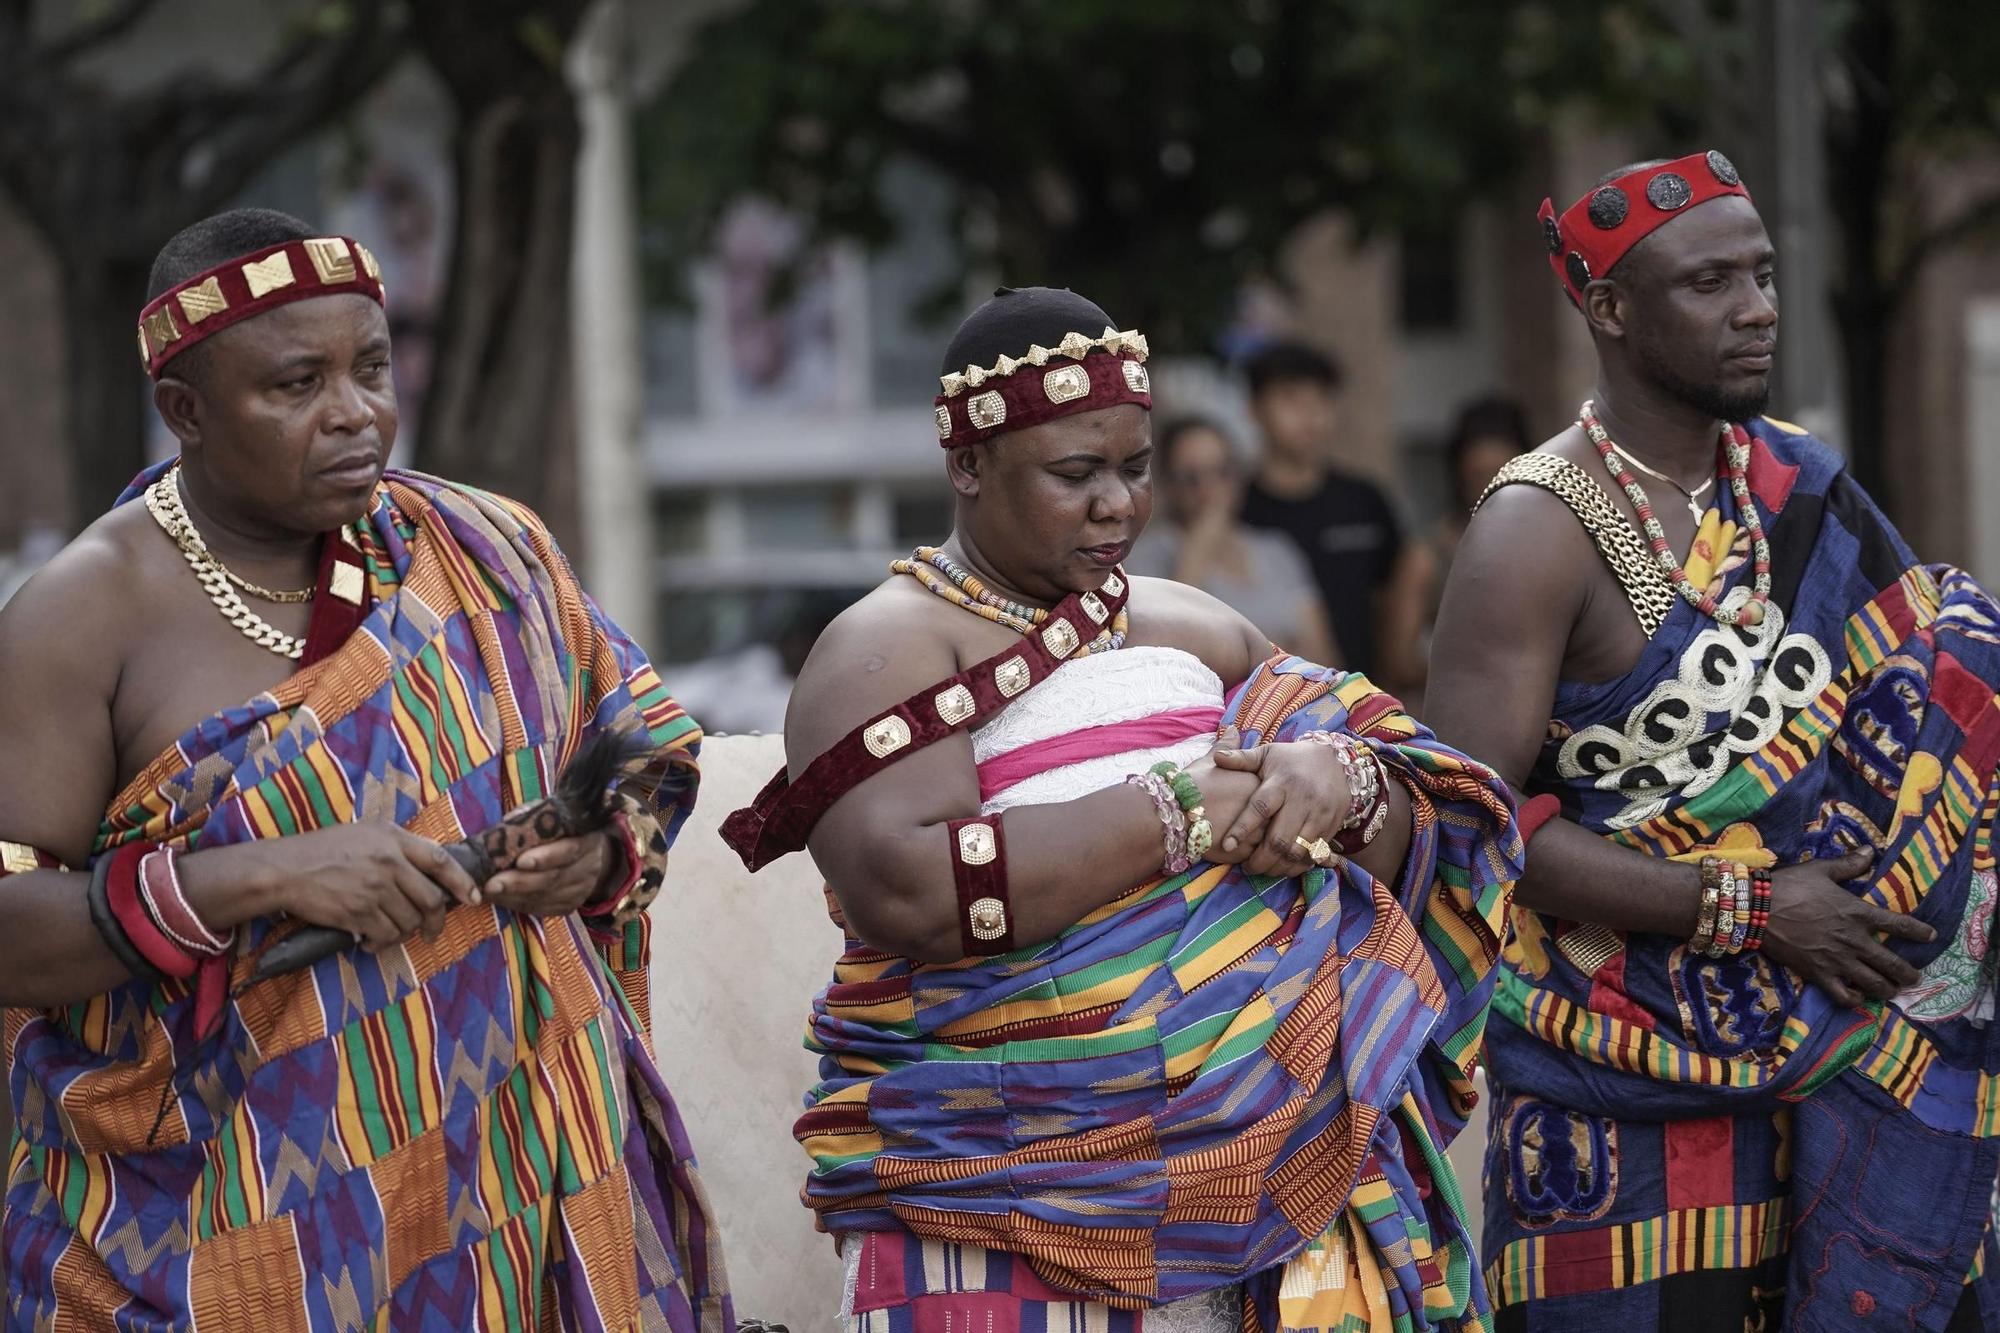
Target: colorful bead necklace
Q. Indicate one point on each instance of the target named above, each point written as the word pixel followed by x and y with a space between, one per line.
pixel 1693 496
pixel 1736 452
pixel 965 590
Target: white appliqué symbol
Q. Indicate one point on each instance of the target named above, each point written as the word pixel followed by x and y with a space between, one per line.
pixel 1748 678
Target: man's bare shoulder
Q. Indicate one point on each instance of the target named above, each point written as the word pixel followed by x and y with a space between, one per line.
pixel 1529 521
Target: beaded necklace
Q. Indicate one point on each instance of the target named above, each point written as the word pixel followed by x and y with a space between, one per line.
pixel 1693 496
pixel 965 590
pixel 1736 452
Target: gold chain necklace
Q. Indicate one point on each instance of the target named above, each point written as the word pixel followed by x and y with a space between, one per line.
pixel 1692 495
pixel 163 502
pixel 189 539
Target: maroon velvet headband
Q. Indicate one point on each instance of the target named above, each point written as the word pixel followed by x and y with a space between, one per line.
pixel 1078 374
pixel 210 302
pixel 1595 232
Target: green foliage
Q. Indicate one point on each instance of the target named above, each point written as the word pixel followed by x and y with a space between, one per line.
pixel 1151 154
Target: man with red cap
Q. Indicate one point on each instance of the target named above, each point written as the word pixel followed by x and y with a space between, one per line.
pixel 1743 1049
pixel 264 692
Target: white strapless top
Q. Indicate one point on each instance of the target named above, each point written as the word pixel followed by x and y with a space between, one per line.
pixel 1102 690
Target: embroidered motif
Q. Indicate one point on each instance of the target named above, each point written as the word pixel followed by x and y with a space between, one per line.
pixel 1839 828
pixel 1959 982
pixel 1744 680
pixel 1734 1006
pixel 1883 716
pixel 1562 1165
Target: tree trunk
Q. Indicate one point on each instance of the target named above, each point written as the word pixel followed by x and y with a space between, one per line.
pixel 1860 140
pixel 498 405
pixel 498 410
pixel 104 384
pixel 1865 313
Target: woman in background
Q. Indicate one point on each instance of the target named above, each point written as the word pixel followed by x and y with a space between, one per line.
pixel 1203 543
pixel 1489 431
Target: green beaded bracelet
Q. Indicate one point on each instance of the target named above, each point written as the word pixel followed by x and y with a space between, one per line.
pixel 1186 792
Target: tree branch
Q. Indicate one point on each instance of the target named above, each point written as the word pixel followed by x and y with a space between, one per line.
pixel 84 36
pixel 1975 217
pixel 296 92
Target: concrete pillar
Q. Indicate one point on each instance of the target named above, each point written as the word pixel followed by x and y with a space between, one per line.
pixel 1347 303
pixel 614 499
pixel 1982 422
pixel 1807 386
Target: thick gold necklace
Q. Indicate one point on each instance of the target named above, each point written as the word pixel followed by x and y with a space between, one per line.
pixel 163 502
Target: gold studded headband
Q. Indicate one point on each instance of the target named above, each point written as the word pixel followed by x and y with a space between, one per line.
pixel 1017 392
pixel 210 302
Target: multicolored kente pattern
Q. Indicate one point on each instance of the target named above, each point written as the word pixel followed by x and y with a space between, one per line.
pixel 465 1133
pixel 1679 1139
pixel 1215 1079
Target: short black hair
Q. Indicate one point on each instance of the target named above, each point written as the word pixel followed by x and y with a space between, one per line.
pixel 1290 363
pixel 217 240
pixel 1018 317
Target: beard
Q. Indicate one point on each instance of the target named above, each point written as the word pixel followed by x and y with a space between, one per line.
pixel 1708 398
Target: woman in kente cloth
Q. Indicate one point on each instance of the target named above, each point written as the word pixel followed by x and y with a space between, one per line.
pixel 1168 953
pixel 458 1126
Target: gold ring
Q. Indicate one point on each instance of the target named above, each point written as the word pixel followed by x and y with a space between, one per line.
pixel 1318 849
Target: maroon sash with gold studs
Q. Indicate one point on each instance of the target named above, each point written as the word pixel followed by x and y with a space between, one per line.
pixel 782 817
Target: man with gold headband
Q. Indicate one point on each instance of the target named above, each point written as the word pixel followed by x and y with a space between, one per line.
pixel 1168 952
pixel 1746 1067
pixel 245 712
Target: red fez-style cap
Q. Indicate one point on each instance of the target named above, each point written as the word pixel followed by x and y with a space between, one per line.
pixel 1595 232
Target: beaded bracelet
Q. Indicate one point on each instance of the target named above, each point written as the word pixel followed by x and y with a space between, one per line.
pixel 1727 922
pixel 1200 834
pixel 1736 907
pixel 1711 900
pixel 168 908
pixel 1736 916
pixel 1367 790
pixel 1760 910
pixel 1173 824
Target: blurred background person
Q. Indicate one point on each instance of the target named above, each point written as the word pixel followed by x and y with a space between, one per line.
pixel 1370 581
pixel 1488 432
pixel 1202 542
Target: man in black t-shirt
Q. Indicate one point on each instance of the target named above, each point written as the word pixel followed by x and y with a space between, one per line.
pixel 1343 524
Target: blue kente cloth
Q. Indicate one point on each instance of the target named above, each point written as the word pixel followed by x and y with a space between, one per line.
pixel 1861 711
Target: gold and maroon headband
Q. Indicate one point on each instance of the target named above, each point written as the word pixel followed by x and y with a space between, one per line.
pixel 210 302
pixel 1594 233
pixel 1011 394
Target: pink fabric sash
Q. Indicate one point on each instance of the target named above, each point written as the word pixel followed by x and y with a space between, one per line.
pixel 1141 733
